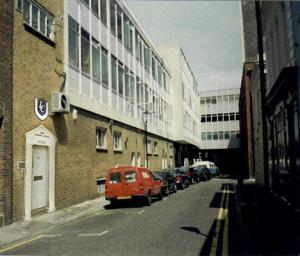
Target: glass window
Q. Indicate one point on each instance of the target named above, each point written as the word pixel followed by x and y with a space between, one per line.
pixel 164 81
pixel 220 117
pixel 127 83
pixel 126 32
pixel 117 141
pixel 208 118
pixel 138 92
pixel 227 135
pixel 202 100
pixel 85 51
pixel 137 52
pixel 104 66
pixel 20 5
pixel 226 117
pixel 96 59
pixel 26 11
pixel 208 100
pixel 121 79
pixel 237 116
pixel 132 87
pixel 219 99
pixel 100 138
pixel 147 57
pixel 114 178
pixel 119 24
pixel 237 97
pixel 95 7
pixel 42 22
pixel 112 17
pixel 114 73
pixel 203 135
pixel 202 118
pixel 155 148
pixel 221 135
pixel 73 42
pixel 34 17
pixel 225 98
pixel 232 134
pixel 237 135
pixel 153 67
pixel 87 2
pixel 213 100
pixel 214 118
pixel 209 136
pixel 232 116
pixel 103 13
pixel 159 74
pixel 130 176
pixel 215 135
pixel 231 98
pixel 149 147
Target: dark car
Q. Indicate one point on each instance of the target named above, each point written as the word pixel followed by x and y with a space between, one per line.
pixel 179 179
pixel 168 181
pixel 184 172
pixel 194 174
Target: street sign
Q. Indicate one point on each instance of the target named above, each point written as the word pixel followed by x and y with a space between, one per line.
pixel 41 108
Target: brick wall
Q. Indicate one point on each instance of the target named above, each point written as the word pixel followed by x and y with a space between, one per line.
pixel 6 87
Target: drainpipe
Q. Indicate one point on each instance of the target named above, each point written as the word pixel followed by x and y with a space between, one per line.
pixel 262 93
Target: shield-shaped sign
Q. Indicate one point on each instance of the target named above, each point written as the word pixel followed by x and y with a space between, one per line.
pixel 41 108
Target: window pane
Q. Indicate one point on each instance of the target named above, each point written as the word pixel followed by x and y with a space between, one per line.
pixel 237 116
pixel 203 136
pixel 208 118
pixel 95 7
pixel 209 135
pixel 214 118
pixel 34 17
pixel 126 33
pixel 114 73
pixel 73 43
pixel 85 52
pixel 119 23
pixel 86 2
pixel 226 118
pixel 49 26
pixel 231 98
pixel 221 135
pixel 27 11
pixel 132 87
pixel 215 135
pixel 96 60
pixel 231 116
pixel 121 78
pixel 202 118
pixel 112 17
pixel 130 176
pixel 226 135
pixel 220 117
pixel 103 11
pixel 115 177
pixel 104 67
pixel 42 22
pixel 127 83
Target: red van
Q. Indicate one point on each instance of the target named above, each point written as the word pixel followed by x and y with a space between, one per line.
pixel 130 183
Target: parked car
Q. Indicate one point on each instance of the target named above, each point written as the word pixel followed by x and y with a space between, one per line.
pixel 212 168
pixel 199 173
pixel 179 178
pixel 125 183
pixel 168 181
pixel 194 174
pixel 184 172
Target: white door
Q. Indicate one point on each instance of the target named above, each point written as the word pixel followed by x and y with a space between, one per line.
pixel 39 197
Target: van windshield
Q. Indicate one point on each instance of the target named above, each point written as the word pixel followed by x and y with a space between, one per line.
pixel 130 176
pixel 114 178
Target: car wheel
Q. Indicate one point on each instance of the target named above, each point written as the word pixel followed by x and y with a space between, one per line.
pixel 148 199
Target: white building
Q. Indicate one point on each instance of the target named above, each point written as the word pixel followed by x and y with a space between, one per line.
pixel 220 128
pixel 185 101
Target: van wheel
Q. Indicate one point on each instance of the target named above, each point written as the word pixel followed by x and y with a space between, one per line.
pixel 148 200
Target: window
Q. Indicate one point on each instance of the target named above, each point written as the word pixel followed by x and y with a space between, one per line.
pixel 231 116
pixel 202 118
pixel 221 135
pixel 208 118
pixel 127 83
pixel 220 117
pixel 153 68
pixel 231 98
pixel 114 178
pixel 149 147
pixel 237 97
pixel 37 18
pixel 104 66
pixel 202 100
pixel 232 134
pixel 126 32
pixel 219 99
pixel 226 117
pixel 96 59
pixel 237 135
pixel 73 42
pixel 117 141
pixel 159 73
pixel 225 98
pixel 215 135
pixel 130 176
pixel 209 136
pixel 114 73
pixel 95 7
pixel 226 135
pixel 19 5
pixel 85 52
pixel 237 116
pixel 208 100
pixel 100 138
pixel 103 13
pixel 112 17
pixel 119 24
pixel 213 100
pixel 203 135
pixel 147 57
pixel 155 148
pixel 121 78
pixel 137 47
pixel 164 81
pixel 214 118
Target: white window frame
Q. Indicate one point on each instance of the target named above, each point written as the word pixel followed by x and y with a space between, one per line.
pixel 48 16
pixel 149 147
pixel 103 132
pixel 155 148
pixel 117 141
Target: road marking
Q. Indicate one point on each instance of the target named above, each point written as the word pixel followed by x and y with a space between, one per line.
pixel 57 235
pixel 93 234
pixel 140 212
pixel 19 244
pixel 222 216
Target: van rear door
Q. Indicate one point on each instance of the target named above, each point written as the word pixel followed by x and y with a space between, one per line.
pixel 114 184
pixel 131 184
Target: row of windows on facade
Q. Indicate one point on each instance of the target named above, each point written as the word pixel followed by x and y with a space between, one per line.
pixel 123 28
pixel 220 117
pixel 222 135
pixel 122 77
pixel 101 135
pixel 187 96
pixel 189 123
pixel 220 99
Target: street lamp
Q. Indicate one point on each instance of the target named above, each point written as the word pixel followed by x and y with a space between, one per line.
pixel 145 120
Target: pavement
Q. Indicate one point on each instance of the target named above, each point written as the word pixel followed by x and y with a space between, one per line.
pixel 23 230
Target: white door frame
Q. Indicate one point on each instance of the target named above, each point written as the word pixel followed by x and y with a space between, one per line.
pixel 39 136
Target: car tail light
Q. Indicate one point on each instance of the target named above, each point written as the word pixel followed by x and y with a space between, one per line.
pixel 178 178
pixel 141 187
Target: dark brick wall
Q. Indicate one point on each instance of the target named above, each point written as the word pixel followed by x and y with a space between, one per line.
pixel 6 109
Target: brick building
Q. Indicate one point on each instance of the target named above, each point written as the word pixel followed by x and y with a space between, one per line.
pixel 87 85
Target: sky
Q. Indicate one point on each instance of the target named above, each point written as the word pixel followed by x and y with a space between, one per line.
pixel 209 33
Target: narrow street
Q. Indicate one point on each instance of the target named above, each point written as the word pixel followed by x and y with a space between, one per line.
pixel 190 222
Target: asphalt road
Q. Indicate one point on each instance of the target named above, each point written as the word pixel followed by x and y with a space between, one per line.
pixel 185 223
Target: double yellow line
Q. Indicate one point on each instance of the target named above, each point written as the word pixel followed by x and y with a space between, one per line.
pixel 222 216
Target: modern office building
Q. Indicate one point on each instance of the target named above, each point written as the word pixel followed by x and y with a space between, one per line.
pixel 86 90
pixel 220 130
pixel 185 101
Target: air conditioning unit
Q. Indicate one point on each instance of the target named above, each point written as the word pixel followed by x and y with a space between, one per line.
pixel 60 103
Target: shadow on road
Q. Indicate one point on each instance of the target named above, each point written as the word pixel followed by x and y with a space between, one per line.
pixel 251 222
pixel 127 204
pixel 193 229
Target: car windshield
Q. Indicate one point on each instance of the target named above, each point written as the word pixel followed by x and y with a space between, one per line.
pixel 114 178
